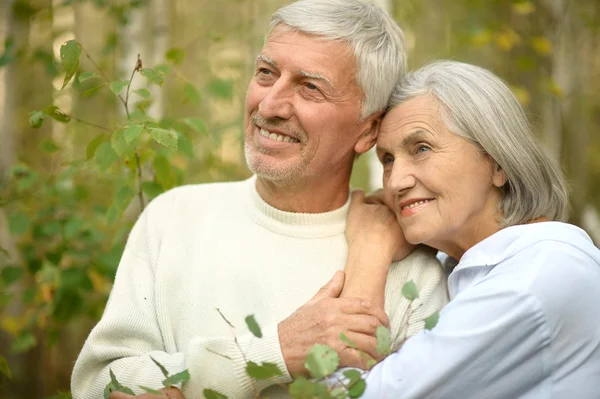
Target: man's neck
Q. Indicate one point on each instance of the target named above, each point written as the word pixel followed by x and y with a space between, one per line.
pixel 305 196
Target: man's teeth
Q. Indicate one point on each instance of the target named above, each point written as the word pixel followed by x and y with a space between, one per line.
pixel 278 137
pixel 415 204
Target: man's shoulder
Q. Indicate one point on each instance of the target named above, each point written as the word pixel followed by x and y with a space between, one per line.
pixel 198 194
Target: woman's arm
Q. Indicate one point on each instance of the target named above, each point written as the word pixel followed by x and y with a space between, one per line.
pixel 374 241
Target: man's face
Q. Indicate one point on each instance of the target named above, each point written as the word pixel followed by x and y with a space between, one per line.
pixel 303 106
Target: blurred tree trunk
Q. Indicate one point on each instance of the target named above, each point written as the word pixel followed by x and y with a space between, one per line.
pixel 26 87
pixel 567 115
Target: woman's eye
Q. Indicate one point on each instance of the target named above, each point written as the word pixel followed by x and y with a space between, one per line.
pixel 423 148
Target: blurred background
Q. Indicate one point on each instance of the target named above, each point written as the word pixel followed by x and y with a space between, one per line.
pixel 78 163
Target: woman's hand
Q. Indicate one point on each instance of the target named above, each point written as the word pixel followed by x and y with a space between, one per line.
pixel 374 241
pixel 372 228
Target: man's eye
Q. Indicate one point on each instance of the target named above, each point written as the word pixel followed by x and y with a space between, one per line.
pixel 387 159
pixel 311 86
pixel 264 71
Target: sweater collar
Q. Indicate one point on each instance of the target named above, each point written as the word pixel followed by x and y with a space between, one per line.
pixel 302 225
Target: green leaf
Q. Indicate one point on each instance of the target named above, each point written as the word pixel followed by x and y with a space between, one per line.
pixel 4 369
pixel 153 76
pixel 83 76
pixel 53 112
pixel 72 227
pixel 384 341
pixel 123 198
pixel 24 343
pixel 144 93
pixel 115 386
pixel 93 145
pixel 253 326
pixel 111 215
pixel 69 57
pixel 36 118
pixel 118 85
pixel 132 132
pixel 105 156
pixel 162 68
pixel 432 320
pixel 180 377
pixel 192 94
pixel 18 224
pixel 357 389
pixel 210 394
pixel 409 291
pixel 90 92
pixel 167 138
pixel 162 171
pixel 10 274
pixel 149 390
pixel 321 361
pixel 302 388
pixel 48 145
pixel 162 368
pixel 152 189
pixel 347 341
pixel 175 55
pixel 221 88
pixel 262 371
pixel 339 393
pixel 197 125
pixel 353 376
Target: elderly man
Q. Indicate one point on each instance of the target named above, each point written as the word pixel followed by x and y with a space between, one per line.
pixel 264 246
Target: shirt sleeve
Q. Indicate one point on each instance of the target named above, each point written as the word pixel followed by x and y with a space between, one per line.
pixel 488 343
pixel 129 336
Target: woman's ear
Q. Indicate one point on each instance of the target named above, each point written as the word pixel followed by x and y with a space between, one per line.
pixel 368 137
pixel 498 175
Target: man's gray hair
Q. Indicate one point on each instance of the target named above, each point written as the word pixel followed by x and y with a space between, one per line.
pixel 376 40
pixel 479 106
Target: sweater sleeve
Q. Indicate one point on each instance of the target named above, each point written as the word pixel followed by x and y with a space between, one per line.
pixel 129 334
pixel 408 318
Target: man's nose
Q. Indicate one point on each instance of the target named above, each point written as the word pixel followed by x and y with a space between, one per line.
pixel 278 101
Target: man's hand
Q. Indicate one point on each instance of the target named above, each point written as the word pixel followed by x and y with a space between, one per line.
pixel 166 393
pixel 322 319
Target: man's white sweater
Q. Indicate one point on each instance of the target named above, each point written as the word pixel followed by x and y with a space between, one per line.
pixel 199 248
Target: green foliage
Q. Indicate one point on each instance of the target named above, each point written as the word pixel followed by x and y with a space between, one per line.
pixel 253 326
pixel 384 341
pixel 210 394
pixel 432 320
pixel 262 371
pixel 321 361
pixel 4 369
pixel 409 291
pixel 115 386
pixel 69 56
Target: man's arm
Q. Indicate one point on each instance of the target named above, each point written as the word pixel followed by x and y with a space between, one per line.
pixel 129 334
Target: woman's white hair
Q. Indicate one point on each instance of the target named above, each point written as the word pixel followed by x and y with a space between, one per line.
pixel 479 106
pixel 376 40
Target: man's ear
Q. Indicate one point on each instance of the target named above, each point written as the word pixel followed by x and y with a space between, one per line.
pixel 368 137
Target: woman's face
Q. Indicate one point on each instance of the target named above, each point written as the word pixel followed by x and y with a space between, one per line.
pixel 443 190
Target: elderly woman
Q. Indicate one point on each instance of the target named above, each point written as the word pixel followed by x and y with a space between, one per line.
pixel 464 175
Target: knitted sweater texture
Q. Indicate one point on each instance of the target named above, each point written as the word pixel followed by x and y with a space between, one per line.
pixel 199 248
